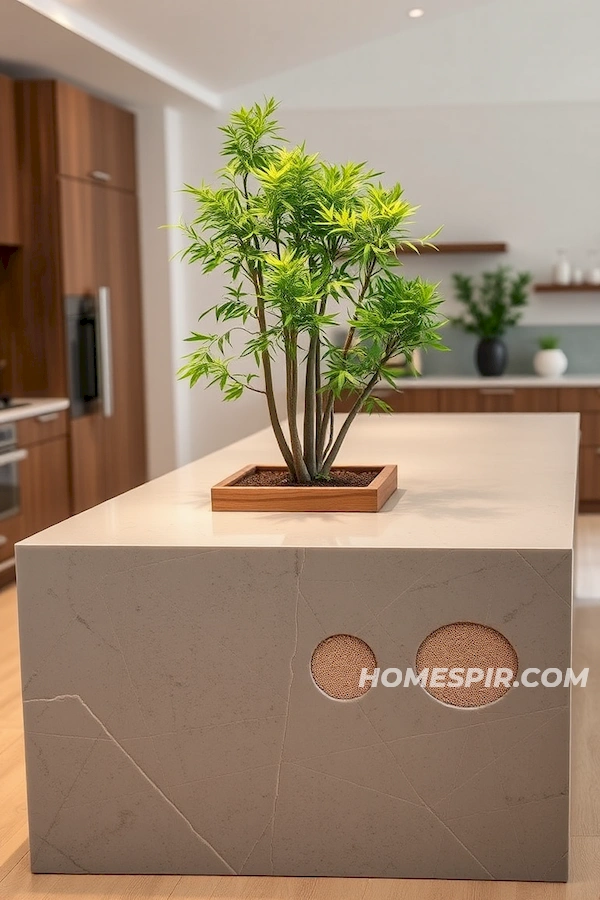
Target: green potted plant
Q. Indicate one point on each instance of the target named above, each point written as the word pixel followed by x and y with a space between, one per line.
pixel 491 307
pixel 550 361
pixel 306 245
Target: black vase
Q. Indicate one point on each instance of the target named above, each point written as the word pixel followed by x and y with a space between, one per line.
pixel 491 357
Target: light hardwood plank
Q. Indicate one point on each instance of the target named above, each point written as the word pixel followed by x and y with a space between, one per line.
pixel 587 579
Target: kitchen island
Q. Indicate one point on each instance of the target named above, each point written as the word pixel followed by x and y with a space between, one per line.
pixel 173 717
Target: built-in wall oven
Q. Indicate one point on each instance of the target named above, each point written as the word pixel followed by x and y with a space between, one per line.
pixel 10 458
pixel 88 329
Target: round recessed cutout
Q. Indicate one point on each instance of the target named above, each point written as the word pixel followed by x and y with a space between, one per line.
pixel 337 663
pixel 467 645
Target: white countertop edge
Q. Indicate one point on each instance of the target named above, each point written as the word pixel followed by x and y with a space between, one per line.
pixel 34 407
pixel 505 381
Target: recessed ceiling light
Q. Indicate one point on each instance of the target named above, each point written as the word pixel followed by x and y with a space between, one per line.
pixel 416 13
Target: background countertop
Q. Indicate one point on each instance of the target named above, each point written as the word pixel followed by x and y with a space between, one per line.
pixel 32 408
pixel 506 381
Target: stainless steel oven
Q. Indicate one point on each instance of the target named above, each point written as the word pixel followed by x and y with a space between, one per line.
pixel 10 458
pixel 88 328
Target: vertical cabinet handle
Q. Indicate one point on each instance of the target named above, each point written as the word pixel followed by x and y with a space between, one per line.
pixel 106 369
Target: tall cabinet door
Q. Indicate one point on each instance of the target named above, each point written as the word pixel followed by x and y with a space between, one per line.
pixel 9 176
pixel 124 429
pixel 80 210
pixel 82 253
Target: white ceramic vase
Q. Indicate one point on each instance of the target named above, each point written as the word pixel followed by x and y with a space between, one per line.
pixel 550 363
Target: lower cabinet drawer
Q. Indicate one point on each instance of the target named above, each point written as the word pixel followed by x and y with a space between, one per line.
pixel 498 399
pixel 579 399
pixel 42 428
pixel 45 493
pixel 589 473
pixel 412 400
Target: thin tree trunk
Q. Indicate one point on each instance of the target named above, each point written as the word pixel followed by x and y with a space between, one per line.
pixel 291 354
pixel 318 405
pixel 269 390
pixel 331 456
pixel 257 281
pixel 310 403
pixel 329 403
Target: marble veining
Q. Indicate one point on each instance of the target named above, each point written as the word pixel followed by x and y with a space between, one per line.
pixel 172 724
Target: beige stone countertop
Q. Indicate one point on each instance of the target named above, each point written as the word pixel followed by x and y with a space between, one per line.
pixel 496 481
pixel 29 408
pixel 505 381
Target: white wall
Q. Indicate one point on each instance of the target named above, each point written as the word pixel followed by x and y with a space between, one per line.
pixel 527 174
pixel 206 422
pixel 504 51
pixel 156 290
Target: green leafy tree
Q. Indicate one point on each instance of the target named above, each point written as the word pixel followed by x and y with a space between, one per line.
pixel 303 243
pixel 493 305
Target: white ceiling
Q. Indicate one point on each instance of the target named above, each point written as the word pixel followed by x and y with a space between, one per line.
pixel 32 45
pixel 207 47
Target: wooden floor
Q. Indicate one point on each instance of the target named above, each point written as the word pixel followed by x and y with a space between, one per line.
pixel 16 882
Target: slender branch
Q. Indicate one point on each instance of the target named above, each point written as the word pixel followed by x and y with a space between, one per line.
pixel 268 373
pixel 331 435
pixel 330 396
pixel 331 456
pixel 257 281
pixel 330 459
pixel 310 402
pixel 291 356
pixel 318 400
pixel 247 387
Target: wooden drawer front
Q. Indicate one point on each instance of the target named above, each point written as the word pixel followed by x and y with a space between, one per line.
pixel 579 399
pixel 45 495
pixel 459 400
pixel 542 400
pixel 42 428
pixel 412 400
pixel 498 399
pixel 589 473
pixel 590 429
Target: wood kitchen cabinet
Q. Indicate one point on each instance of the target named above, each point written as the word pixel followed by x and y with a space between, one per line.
pixel 95 139
pixel 124 434
pixel 9 176
pixel 45 489
pixel 80 190
pixel 100 225
pixel 45 485
pixel 421 400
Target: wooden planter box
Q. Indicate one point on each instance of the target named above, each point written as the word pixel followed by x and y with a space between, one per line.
pixel 227 495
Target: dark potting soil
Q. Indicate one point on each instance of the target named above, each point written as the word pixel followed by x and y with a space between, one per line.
pixel 278 478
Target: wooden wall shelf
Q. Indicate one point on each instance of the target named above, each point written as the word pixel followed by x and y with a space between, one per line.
pixel 551 288
pixel 464 247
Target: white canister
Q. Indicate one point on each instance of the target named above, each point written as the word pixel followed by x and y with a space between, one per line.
pixel 550 363
pixel 562 269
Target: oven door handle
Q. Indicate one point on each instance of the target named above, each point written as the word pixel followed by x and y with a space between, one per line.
pixel 13 456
